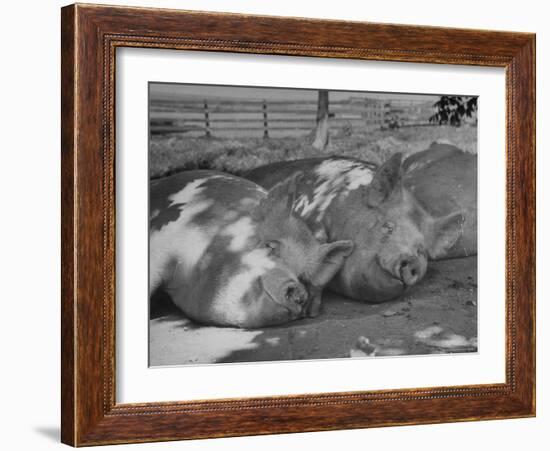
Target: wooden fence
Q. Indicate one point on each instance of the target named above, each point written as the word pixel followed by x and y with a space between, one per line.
pixel 273 118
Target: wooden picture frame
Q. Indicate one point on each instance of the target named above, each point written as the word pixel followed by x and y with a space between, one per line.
pixel 90 36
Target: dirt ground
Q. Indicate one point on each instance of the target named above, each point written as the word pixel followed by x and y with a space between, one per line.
pixel 437 316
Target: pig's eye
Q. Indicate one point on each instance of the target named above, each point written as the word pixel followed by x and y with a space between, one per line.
pixel 388 227
pixel 273 247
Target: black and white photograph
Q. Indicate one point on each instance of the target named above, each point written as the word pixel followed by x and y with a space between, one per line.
pixel 243 225
pixel 301 224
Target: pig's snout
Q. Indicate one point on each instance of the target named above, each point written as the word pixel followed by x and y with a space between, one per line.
pixel 409 269
pixel 295 293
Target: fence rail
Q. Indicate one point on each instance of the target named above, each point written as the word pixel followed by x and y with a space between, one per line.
pixel 272 118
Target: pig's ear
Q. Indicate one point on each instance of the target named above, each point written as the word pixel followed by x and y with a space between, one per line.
pixel 385 181
pixel 443 233
pixel 280 199
pixel 328 261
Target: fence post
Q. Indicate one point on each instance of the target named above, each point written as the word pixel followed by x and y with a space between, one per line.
pixel 266 129
pixel 206 119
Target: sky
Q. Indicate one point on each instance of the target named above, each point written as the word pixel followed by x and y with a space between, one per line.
pixel 159 91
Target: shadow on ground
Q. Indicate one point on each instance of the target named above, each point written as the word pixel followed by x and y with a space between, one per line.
pixel 437 316
pixel 52 433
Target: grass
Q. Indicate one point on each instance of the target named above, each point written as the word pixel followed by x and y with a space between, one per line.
pixel 170 154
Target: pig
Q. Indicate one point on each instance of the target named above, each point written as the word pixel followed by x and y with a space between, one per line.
pixel 344 198
pixel 443 179
pixel 230 253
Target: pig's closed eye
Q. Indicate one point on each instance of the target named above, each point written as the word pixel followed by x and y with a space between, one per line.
pixel 273 247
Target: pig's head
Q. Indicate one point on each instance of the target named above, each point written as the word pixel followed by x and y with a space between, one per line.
pixel 296 266
pixel 394 237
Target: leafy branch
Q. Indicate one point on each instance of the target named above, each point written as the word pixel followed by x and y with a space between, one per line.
pixel 454 109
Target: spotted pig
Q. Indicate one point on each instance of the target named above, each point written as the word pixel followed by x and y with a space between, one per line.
pixel 230 253
pixel 350 199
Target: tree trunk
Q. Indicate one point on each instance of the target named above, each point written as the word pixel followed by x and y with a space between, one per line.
pixel 320 138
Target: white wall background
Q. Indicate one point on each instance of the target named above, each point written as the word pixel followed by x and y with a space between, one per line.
pixel 29 152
